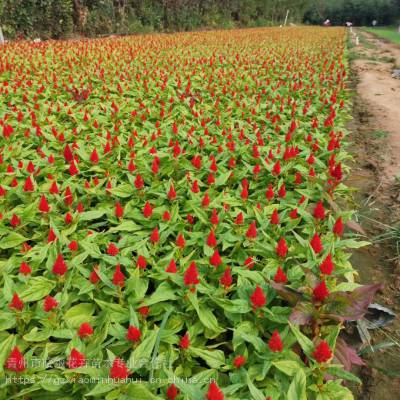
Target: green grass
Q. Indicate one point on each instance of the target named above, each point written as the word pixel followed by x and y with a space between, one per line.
pixel 389 33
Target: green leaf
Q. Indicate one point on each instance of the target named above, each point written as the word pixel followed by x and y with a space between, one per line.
pixel 37 288
pixel 297 388
pixel 37 336
pixel 213 358
pixel 255 393
pixel 5 348
pixel 78 314
pixel 12 240
pixel 305 343
pixel 90 215
pixel 164 292
pixel 288 367
pixel 101 388
pixel 142 353
pixel 340 372
pixel 141 391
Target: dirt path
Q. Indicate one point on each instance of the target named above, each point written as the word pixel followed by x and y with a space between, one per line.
pixel 376 149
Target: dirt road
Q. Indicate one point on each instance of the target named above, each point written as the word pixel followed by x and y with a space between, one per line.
pixel 376 149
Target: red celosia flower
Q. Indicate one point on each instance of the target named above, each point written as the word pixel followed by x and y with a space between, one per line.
pixel 269 194
pixel 59 266
pixel 171 192
pixel 320 292
pixel 191 275
pixel 293 214
pixel 16 303
pixel 112 249
pixel 28 186
pixel 215 259
pixel 51 236
pixel 172 392
pixel 141 262
pixel 211 240
pixel 252 231
pixel 144 311
pixel 49 303
pixel 94 157
pixel 133 334
pixel 119 211
pixel 15 221
pixel 15 361
pixel 68 218
pixel 171 267
pixel 322 352
pixel 258 298
pixel 326 267
pixel 195 187
pixel 275 217
pixel 166 216
pixel 155 237
pixel 43 205
pixel 147 210
pixel 139 183
pixel 25 269
pixel 73 246
pixel 338 228
pixel 76 359
pixel 85 330
pixel 316 244
pixel 214 392
pixel 275 342
pixel 281 248
pixel 214 217
pixel 239 361
pixel 119 370
pixel 239 219
pixel 319 211
pixel 226 278
pixel 206 200
pixel 118 277
pixel 180 241
pixel 185 341
pixel 276 169
pixel 280 276
pixel 94 277
pixel 249 262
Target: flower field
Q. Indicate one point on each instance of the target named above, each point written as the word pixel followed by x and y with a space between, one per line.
pixel 170 224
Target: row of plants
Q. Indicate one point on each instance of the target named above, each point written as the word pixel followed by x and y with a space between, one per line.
pixel 169 218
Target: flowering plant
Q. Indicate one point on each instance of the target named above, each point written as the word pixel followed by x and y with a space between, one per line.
pixel 167 219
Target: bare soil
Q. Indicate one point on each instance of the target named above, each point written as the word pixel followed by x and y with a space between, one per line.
pixel 376 149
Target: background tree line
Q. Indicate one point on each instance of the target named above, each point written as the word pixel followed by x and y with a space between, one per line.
pixel 63 18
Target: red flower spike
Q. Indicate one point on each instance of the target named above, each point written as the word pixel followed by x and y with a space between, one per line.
pixel 319 211
pixel 141 262
pixel 316 244
pixel 252 231
pixel 206 200
pixel 180 241
pixel 59 266
pixel 133 334
pixel 258 298
pixel 43 205
pixel 185 341
pixel 275 217
pixel 172 392
pixel 118 277
pixel 119 370
pixel 155 237
pixel 76 359
pixel 239 361
pixel 16 303
pixel 73 246
pixel 94 157
pixel 112 249
pixel 171 269
pixel 215 259
pixel 171 192
pixel 226 279
pixel 25 269
pixel 15 221
pixel 191 275
pixel 214 392
pixel 211 240
pixel 320 292
pixel 239 219
pixel 85 330
pixel 214 217
pixel 94 277
pixel 280 276
pixel 147 210
pixel 249 262
pixel 281 248
pixel 119 211
pixel 28 186
pixel 15 361
pixel 322 352
pixel 326 267
pixel 49 303
pixel 338 228
pixel 275 342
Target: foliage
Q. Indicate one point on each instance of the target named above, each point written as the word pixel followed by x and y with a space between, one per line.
pixel 359 12
pixel 167 204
